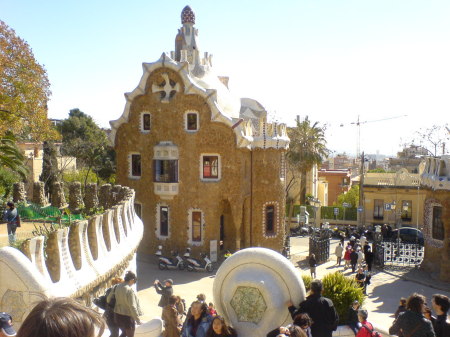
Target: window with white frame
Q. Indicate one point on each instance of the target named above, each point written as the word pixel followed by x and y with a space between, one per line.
pixel 378 209
pixel 134 165
pixel 162 221
pixel 196 226
pixel 191 121
pixel 210 167
pixel 145 122
pixel 270 219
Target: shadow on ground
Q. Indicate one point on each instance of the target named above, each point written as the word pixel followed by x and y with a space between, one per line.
pixel 148 272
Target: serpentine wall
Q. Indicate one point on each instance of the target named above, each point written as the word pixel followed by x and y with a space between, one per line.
pixel 78 261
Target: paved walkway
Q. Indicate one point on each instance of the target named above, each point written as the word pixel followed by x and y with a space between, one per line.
pixel 386 286
pixel 382 300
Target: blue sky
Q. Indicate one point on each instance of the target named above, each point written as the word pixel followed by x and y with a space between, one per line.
pixel 331 60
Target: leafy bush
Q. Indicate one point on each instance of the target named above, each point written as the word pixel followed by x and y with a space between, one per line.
pixel 342 291
pixel 307 281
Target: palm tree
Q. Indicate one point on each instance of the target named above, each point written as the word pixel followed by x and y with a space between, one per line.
pixel 307 148
pixel 11 156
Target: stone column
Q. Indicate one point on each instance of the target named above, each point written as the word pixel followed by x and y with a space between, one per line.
pixel 104 196
pixel 39 197
pixel 19 193
pixel 115 196
pixel 58 197
pixel 75 199
pixel 90 197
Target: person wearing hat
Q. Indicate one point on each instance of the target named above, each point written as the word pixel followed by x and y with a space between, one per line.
pixel 6 328
pixel 165 291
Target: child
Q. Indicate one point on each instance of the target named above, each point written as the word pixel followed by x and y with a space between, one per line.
pixel 401 308
pixel 353 321
pixel 211 309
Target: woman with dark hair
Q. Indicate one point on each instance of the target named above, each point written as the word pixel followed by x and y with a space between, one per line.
pixel 198 323
pixel 172 322
pixel 291 331
pixel 304 321
pixel 126 309
pixel 219 328
pixel 62 317
pixel 412 323
pixel 108 315
pixel 11 216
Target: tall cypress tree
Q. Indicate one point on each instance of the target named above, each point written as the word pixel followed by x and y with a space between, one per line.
pixel 50 171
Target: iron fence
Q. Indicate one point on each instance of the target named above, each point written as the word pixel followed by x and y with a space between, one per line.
pixel 395 253
pixel 320 247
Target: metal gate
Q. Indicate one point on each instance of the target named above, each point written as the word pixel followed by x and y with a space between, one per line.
pixel 395 253
pixel 320 247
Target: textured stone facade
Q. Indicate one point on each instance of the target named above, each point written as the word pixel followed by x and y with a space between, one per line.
pixel 75 198
pixel 58 197
pixel 191 210
pixel 39 197
pixel 19 193
pixel 105 196
pixel 435 181
pixel 90 197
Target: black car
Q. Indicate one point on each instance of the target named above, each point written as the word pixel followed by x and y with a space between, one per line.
pixel 408 235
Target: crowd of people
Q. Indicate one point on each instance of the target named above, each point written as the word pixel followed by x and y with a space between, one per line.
pixel 316 316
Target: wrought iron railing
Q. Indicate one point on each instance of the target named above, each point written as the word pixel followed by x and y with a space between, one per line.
pixel 320 247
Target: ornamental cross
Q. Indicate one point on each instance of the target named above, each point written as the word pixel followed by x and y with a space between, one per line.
pixel 168 88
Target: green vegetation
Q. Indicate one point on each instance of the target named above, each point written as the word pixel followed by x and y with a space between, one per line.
pixel 86 141
pixel 351 197
pixel 342 291
pixel 24 90
pixel 307 281
pixel 307 148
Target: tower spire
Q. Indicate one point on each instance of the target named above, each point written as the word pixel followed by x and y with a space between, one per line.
pixel 186 39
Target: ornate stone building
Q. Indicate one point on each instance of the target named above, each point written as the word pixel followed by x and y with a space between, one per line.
pixel 206 166
pixel 436 183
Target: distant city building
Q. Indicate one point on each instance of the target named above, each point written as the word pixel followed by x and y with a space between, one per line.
pixel 33 152
pixel 409 158
pixel 394 199
pixel 338 182
pixel 206 166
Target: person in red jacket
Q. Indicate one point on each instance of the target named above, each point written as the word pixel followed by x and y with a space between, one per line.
pixel 366 327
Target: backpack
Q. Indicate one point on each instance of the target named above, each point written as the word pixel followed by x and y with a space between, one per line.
pixel 372 333
pixel 18 220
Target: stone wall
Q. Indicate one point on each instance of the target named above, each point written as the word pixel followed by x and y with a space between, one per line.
pixel 228 200
pixel 77 261
pixel 437 252
pixel 19 193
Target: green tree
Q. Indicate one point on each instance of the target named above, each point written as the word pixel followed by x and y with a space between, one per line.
pixel 83 139
pixel 11 156
pixel 7 179
pixel 50 172
pixel 307 148
pixel 24 90
pixel 351 197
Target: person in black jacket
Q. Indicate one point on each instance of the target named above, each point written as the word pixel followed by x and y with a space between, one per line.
pixel 441 305
pixel 320 309
pixel 412 323
pixel 353 259
pixel 368 256
pixel 165 291
pixel 353 321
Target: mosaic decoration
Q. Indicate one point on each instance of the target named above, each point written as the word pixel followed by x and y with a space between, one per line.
pixel 187 15
pixel 248 304
pixel 14 304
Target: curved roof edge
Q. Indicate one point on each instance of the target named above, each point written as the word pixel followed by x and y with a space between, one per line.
pixel 191 87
